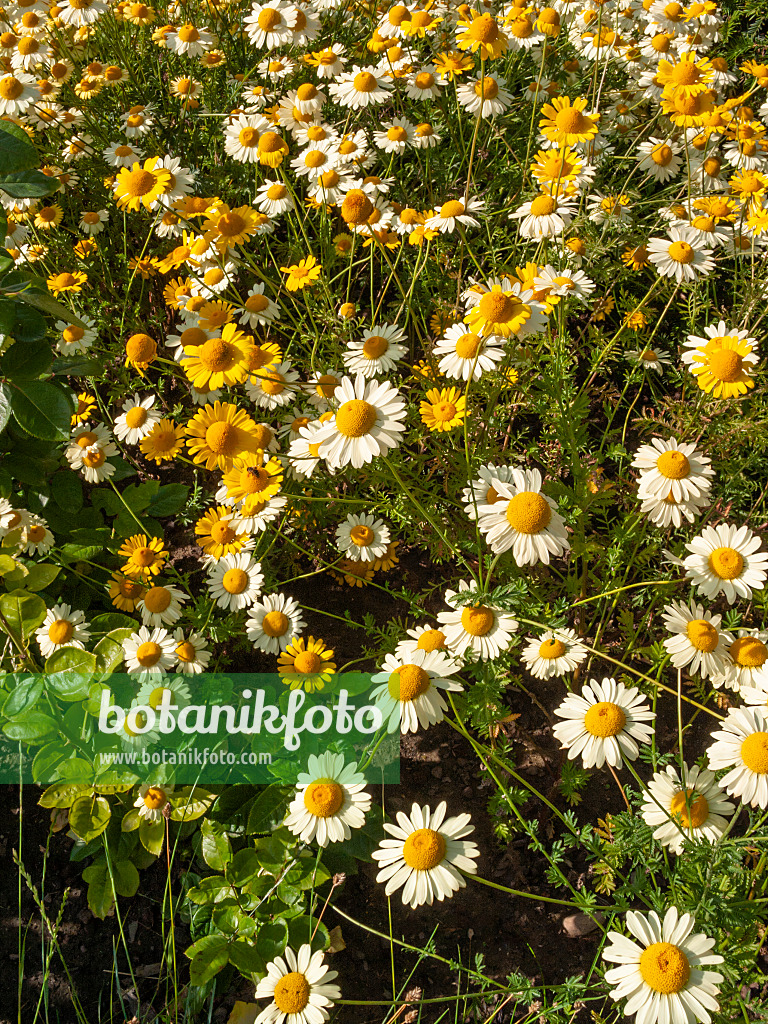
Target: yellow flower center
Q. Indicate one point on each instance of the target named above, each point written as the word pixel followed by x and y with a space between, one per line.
pixel 269 19
pixel 443 412
pixel 681 252
pixel 231 224
pixel 487 88
pixel 749 652
pixel 94 459
pixel 754 752
pixel 685 73
pixel 135 417
pixel 221 438
pixel 357 207
pixel 308 662
pixel 330 179
pixel 361 535
pixel 10 88
pixel 552 648
pixel 355 418
pixel 397 133
pixel 431 640
pixel 408 682
pixel 272 383
pixel 275 624
pixel 528 512
pixel 222 532
pixel 140 348
pixel 605 719
pixel 248 137
pixel 726 563
pixel 477 620
pixel 661 155
pixel 496 307
pixel 217 355
pixel 256 303
pixel 572 122
pixel 276 191
pixel 725 364
pixel 235 581
pixel 453 208
pixel 271 142
pixel 155 798
pixel 323 798
pixel 692 815
pixel 36 534
pixel 186 651
pixel 315 158
pixel 672 465
pixel 148 654
pixel 664 967
pixel 364 81
pixel 702 634
pixel 424 80
pixel 468 345
pixel 60 631
pixel 423 849
pixel 139 183
pixel 292 991
pixel 484 29
pixel 156 697
pixel 157 599
pixel 143 556
pixel 375 346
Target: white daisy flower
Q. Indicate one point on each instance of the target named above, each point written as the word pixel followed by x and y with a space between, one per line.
pixel 681 255
pixel 330 801
pixel 604 724
pixel 692 809
pixel 149 653
pixel 153 692
pixel 258 308
pixel 234 582
pixel 741 744
pixel 273 622
pixel 273 386
pixel 395 136
pixel 123 154
pixel 410 696
pixel 697 642
pixel 485 630
pixel 660 158
pixel 564 283
pixel 273 198
pixel 35 537
pixel 462 354
pixel 553 653
pixel 362 538
pixel 137 419
pixel 366 424
pixel 254 514
pixel 241 137
pixel 315 160
pixel 716 336
pixel 269 25
pixel 486 96
pixel 161 605
pixel 423 83
pixel 421 638
pixel 360 87
pixel 667 467
pixel 481 490
pixel 746 662
pixel 545 216
pixel 18 91
pixel 662 974
pixel 426 855
pixel 298 985
pixel 649 358
pixel 453 212
pixel 61 627
pixel 130 737
pixel 527 521
pixel 377 352
pixel 190 652
pixel 725 560
pixel 152 799
pixel 665 511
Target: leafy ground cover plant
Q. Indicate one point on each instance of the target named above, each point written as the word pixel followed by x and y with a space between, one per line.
pixel 415 340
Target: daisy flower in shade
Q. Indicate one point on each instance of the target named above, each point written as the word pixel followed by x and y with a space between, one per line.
pixel 366 424
pixel 151 800
pixel 362 538
pixel 604 724
pixel 409 695
pixel 664 511
pixel 681 255
pixel 234 582
pixel 463 353
pixel 746 663
pixel 273 622
pixel 160 605
pixel 741 744
pixel 191 653
pixel 485 630
pixel 153 692
pixel 523 519
pixel 452 213
pixel 692 809
pixel 553 653
pixel 35 537
pixel 725 560
pixel 360 87
pixel 545 216
pixel 667 467
pixel 137 419
pixel 697 642
pixel 724 371
pixel 330 801
pixel 298 985
pixel 61 627
pixel 649 358
pixel 149 652
pixel 258 308
pixel 662 974
pixel 481 490
pixel 443 410
pixel 377 352
pixel 306 664
pixel 426 855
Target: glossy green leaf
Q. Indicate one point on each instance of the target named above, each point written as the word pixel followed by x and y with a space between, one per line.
pixel 89 816
pixel 208 956
pixel 42 410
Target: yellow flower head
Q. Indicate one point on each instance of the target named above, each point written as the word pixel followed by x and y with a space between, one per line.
pixel 302 274
pixel 443 410
pixel 306 664
pixel 141 186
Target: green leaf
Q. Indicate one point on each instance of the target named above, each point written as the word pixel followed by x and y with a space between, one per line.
pixel 42 410
pixel 208 956
pixel 101 895
pixel 89 816
pixel 67 491
pixel 244 865
pixel 23 612
pixel 126 877
pixel 28 185
pixel 30 726
pixel 109 651
pixel 300 930
pixel 23 697
pixel 76 366
pixel 243 956
pixel 35 576
pixel 28 325
pixel 215 847
pixel 271 939
pixel 69 672
pixel 169 500
pixel 45 302
pixel 270 806
pixel 7 313
pixel 8 565
pixel 61 794
pixel 210 891
pixel 16 152
pixel 27 362
pixel 151 834
pixel 131 820
pixel 5 402
pixel 138 496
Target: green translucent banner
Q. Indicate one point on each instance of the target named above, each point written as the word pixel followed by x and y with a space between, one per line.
pixel 70 728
